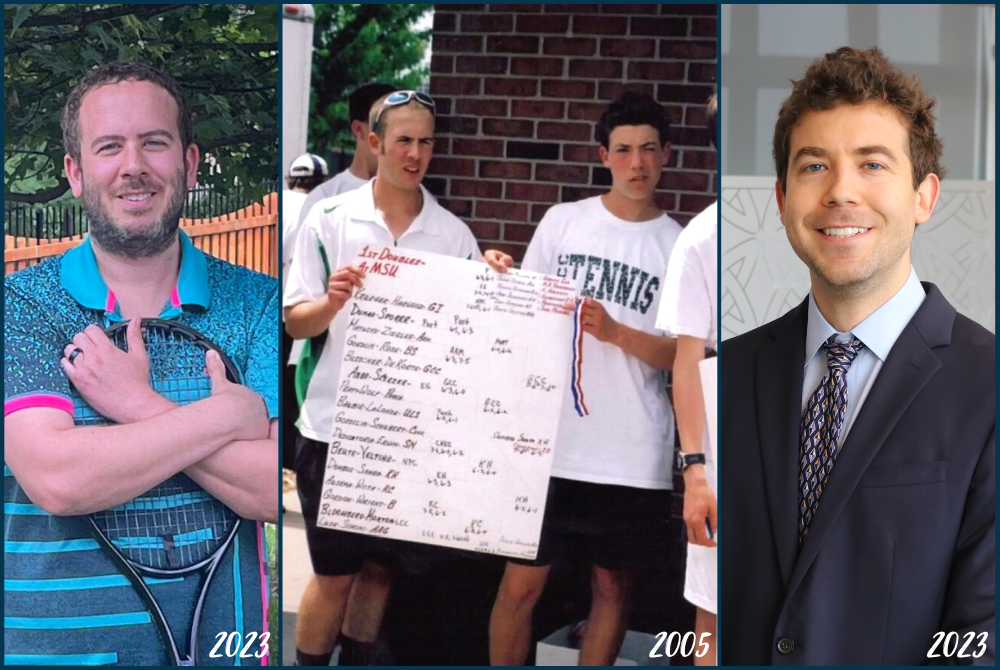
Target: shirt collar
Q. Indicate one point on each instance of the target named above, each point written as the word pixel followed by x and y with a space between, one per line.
pixel 81 278
pixel 880 330
pixel 425 222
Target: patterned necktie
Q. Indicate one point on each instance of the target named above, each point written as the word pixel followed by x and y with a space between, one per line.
pixel 819 429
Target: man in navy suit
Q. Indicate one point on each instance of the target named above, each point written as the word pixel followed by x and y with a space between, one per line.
pixel 857 442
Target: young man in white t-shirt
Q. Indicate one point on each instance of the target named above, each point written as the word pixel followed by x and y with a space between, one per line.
pixel 688 312
pixel 364 163
pixel 612 469
pixel 393 209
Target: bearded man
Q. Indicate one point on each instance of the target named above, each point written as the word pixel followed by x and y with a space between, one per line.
pixel 130 155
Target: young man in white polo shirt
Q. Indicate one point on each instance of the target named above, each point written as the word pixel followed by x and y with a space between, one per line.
pixel 688 312
pixel 362 168
pixel 371 588
pixel 612 469
pixel 396 210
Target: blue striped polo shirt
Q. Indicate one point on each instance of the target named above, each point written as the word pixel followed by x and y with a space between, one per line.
pixel 65 602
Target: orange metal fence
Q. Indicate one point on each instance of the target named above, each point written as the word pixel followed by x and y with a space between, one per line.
pixel 247 237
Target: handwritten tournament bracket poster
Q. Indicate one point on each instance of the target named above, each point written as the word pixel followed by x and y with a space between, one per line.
pixel 451 385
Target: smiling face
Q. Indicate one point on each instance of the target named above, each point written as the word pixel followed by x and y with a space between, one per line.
pixel 407 145
pixel 133 172
pixel 850 209
pixel 635 158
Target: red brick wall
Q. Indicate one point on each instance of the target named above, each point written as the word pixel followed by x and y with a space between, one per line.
pixel 520 88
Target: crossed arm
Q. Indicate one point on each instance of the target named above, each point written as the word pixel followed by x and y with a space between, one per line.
pixel 224 442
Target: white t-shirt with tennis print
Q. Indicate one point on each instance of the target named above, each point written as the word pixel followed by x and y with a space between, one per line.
pixel 628 437
pixel 332 237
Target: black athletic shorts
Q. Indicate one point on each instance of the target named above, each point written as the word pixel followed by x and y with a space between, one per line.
pixel 334 552
pixel 603 524
pixel 289 405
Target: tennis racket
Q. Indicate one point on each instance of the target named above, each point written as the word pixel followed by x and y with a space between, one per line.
pixel 176 528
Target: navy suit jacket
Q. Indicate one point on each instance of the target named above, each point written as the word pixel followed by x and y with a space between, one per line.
pixel 902 544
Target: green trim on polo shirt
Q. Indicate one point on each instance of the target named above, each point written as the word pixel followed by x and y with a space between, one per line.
pixel 312 349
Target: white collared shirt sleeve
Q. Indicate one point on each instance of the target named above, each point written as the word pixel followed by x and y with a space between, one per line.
pixel 307 275
pixel 342 182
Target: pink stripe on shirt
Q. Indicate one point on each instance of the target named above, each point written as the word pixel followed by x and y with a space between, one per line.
pixel 53 400
pixel 261 558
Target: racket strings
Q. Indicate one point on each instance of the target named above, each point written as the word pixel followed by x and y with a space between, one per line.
pixel 177 525
pixel 173 527
pixel 176 365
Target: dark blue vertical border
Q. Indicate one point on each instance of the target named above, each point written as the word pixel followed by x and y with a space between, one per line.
pixel 275 656
pixel 718 326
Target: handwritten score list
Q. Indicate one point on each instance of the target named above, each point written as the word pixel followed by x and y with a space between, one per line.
pixel 451 383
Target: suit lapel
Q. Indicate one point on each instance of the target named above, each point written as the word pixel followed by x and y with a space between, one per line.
pixel 909 366
pixel 779 373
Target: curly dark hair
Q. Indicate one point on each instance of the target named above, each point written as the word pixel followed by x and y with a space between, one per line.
pixel 633 109
pixel 112 73
pixel 851 76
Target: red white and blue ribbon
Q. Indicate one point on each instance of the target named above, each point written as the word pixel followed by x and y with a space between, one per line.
pixel 577 372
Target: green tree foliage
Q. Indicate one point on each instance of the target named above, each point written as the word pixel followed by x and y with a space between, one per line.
pixel 225 56
pixel 355 45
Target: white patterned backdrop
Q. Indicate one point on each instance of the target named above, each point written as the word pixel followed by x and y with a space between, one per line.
pixel 762 278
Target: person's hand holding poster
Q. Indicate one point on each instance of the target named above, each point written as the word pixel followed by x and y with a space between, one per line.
pixel 447 403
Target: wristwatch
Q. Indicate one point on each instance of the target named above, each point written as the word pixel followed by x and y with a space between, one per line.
pixel 684 461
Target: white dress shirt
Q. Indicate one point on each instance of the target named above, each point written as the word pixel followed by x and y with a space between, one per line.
pixel 878 333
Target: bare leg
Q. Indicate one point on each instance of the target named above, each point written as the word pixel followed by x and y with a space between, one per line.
pixel 608 614
pixel 510 622
pixel 704 622
pixel 366 605
pixel 321 613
